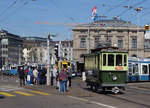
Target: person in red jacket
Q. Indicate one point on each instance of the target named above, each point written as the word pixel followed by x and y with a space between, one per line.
pixel 26 73
pixel 63 80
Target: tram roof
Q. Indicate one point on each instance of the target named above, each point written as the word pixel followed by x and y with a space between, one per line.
pixel 108 49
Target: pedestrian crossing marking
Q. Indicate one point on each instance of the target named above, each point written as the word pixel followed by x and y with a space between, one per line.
pixel 38 92
pixel 6 94
pixel 23 93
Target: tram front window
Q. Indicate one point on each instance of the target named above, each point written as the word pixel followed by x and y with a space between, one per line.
pixel 65 66
pixel 118 60
pixel 110 60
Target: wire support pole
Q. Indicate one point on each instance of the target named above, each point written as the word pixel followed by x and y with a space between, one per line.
pixel 138 9
pixel 88 46
pixel 48 60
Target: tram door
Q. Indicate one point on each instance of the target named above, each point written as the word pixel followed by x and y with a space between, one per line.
pixel 149 72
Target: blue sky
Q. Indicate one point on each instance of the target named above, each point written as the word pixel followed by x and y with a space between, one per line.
pixel 21 16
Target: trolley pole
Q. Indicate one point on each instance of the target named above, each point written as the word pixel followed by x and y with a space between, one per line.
pixel 48 60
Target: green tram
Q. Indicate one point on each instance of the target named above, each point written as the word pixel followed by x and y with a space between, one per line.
pixel 106 68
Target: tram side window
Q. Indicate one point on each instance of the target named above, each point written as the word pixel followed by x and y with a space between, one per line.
pixel 130 69
pixel 110 60
pixel 118 60
pixel 104 59
pixel 144 69
pixel 125 60
pixel 135 68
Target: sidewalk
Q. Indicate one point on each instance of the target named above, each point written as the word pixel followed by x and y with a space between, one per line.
pixel 78 87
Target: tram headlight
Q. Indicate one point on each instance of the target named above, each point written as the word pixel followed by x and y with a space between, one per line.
pixel 114 78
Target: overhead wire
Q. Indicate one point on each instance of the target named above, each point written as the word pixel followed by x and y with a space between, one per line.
pixel 10 6
pixel 63 13
pixel 117 6
pixel 15 11
pixel 146 13
pixel 131 7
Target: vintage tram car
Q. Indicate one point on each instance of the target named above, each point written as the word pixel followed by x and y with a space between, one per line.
pixel 106 68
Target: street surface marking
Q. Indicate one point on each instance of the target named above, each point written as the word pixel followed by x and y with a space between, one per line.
pixel 10 88
pixel 23 93
pixel 6 94
pixel 103 104
pixel 93 102
pixel 38 92
pixel 78 98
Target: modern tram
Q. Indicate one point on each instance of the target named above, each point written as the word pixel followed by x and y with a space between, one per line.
pixel 138 69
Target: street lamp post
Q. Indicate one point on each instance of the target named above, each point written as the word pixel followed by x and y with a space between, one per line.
pixel 48 60
pixel 19 56
pixel 49 75
pixel 2 57
pixel 88 47
pixel 138 9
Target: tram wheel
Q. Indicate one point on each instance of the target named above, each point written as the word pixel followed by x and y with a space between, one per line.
pixel 95 88
pixel 115 90
pixel 91 87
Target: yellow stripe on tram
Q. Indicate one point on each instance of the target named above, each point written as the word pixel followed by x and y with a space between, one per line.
pixel 6 94
pixel 38 92
pixel 23 93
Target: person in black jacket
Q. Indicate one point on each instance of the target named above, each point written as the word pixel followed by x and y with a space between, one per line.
pixel 21 76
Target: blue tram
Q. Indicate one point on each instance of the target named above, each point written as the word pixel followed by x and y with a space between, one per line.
pixel 10 70
pixel 13 70
pixel 138 69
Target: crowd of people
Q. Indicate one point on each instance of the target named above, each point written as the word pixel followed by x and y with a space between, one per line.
pixel 59 79
pixel 31 75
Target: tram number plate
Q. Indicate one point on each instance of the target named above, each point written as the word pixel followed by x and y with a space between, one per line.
pixel 119 68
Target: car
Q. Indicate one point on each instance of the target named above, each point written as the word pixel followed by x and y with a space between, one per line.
pixel 73 74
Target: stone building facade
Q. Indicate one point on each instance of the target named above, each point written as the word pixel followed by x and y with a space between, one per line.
pixel 119 33
pixel 34 50
pixel 11 48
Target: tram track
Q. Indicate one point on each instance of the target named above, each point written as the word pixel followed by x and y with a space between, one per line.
pixel 128 100
pixel 139 90
pixel 132 95
pixel 128 96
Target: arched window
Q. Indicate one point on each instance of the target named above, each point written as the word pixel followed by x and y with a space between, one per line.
pixel 134 55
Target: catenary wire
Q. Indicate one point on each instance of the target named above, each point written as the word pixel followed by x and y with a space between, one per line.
pixel 9 7
pixel 15 11
pixel 132 7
